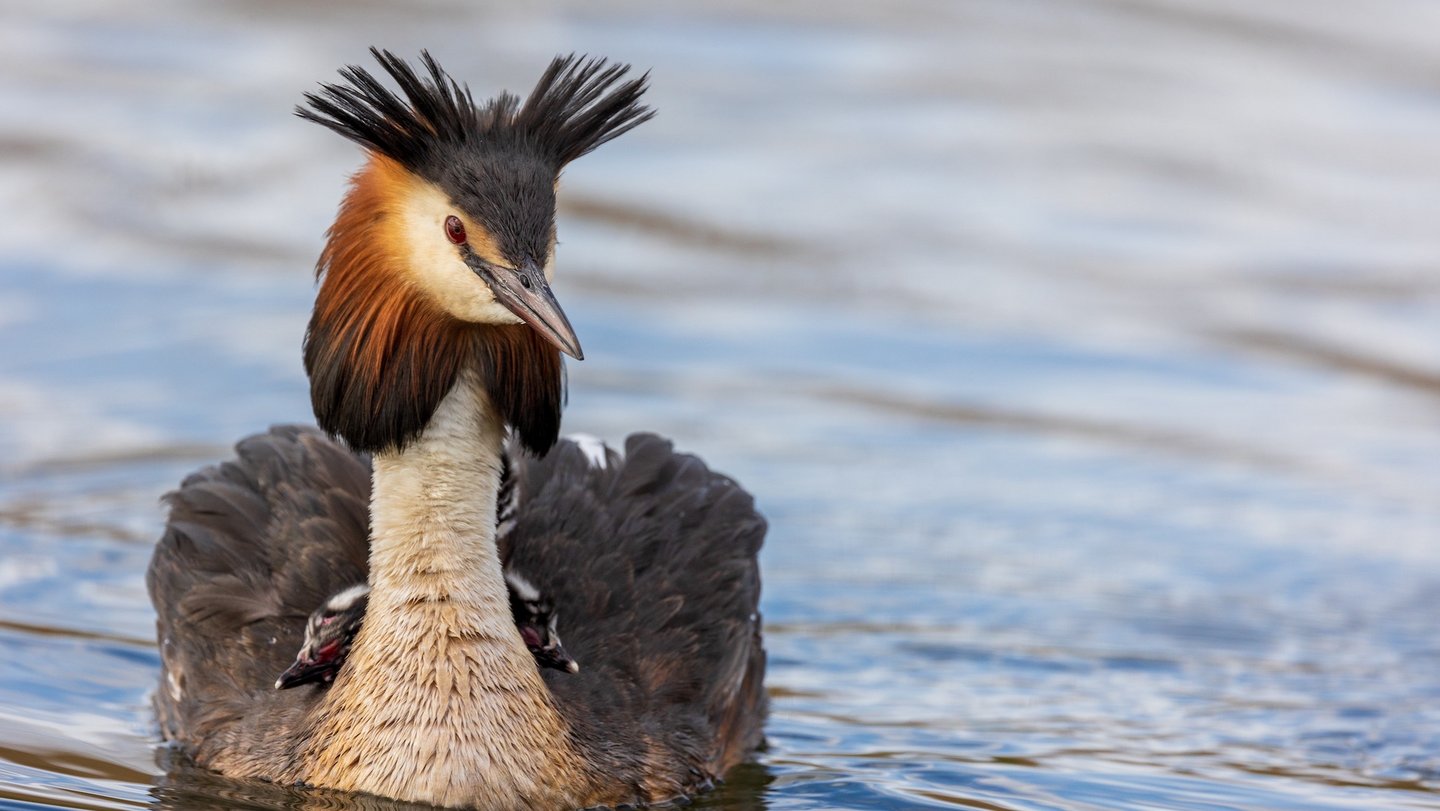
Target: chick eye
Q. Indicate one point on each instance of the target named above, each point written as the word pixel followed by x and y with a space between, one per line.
pixel 454 229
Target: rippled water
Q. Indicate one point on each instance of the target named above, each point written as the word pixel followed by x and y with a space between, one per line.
pixel 1083 355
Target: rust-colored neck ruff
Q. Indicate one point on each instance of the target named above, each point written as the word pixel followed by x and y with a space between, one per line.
pixel 381 356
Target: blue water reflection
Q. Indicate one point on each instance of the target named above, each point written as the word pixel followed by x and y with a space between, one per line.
pixel 1081 356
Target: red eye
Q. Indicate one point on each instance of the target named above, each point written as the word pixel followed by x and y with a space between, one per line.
pixel 454 229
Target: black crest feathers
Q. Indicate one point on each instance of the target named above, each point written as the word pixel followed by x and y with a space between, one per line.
pixel 578 104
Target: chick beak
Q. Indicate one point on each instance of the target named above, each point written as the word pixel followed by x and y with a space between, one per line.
pixel 298 673
pixel 305 671
pixel 525 292
pixel 555 657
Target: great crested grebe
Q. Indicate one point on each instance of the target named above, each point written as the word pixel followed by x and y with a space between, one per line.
pixel 434 331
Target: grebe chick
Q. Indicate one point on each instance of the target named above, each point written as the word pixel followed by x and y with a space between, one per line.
pixel 328 635
pixel 536 618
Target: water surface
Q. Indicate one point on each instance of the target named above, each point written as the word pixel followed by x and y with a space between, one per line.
pixel 1082 355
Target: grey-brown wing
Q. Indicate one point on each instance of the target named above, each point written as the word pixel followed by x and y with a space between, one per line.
pixel 651 561
pixel 251 547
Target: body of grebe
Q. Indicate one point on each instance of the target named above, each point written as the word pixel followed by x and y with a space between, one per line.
pixel 434 332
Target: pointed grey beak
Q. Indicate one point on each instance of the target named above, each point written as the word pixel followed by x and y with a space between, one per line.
pixel 524 292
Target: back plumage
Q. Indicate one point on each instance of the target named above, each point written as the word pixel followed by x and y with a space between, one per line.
pixel 251 547
pixel 652 564
pixel 649 559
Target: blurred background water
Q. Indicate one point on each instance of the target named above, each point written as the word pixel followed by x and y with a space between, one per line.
pixel 1083 354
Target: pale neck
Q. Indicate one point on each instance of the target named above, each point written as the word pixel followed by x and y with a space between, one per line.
pixel 432 515
pixel 438 670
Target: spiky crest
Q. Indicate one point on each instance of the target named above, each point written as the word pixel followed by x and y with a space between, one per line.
pixel 578 104
pixel 379 357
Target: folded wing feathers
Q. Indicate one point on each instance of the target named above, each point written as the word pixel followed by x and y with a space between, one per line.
pixel 652 566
